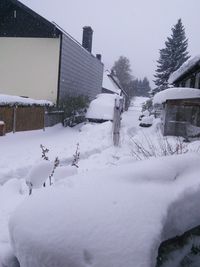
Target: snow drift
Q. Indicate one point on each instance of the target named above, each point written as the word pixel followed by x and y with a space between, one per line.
pixel 110 218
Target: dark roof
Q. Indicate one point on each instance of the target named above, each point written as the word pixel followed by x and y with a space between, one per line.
pixel 18 20
pixel 31 12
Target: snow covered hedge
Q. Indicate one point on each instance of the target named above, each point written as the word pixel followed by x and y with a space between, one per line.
pixel 111 218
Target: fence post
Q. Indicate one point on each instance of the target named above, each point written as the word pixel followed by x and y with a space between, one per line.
pixel 14 118
pixel 116 122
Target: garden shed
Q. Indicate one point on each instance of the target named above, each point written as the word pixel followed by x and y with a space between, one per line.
pixel 180 111
pixel 22 114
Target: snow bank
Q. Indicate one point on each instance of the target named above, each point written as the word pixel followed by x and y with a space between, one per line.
pixel 176 93
pixel 64 171
pixel 8 259
pixel 183 69
pixel 25 101
pixel 102 107
pixel 109 218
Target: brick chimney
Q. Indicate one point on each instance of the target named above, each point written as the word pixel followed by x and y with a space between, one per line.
pixel 87 38
pixel 98 56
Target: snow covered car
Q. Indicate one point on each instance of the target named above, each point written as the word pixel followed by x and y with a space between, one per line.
pixel 146 121
pixel 102 108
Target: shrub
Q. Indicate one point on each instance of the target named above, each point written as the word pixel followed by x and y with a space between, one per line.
pixel 74 110
pixel 148 147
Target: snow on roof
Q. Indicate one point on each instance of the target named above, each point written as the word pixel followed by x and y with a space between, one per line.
pixel 25 101
pixel 176 93
pixel 109 84
pixel 184 68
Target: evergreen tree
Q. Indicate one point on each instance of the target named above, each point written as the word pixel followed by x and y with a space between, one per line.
pixel 122 69
pixel 141 87
pixel 171 57
pixel 145 87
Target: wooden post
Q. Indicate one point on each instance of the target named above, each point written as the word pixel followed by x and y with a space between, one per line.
pixel 14 118
pixel 44 114
pixel 116 122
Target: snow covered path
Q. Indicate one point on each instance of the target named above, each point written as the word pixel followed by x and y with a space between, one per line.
pixel 20 151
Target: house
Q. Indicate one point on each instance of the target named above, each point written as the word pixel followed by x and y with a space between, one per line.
pixel 38 59
pixel 188 75
pixel 180 106
pixel 111 85
pixel 180 111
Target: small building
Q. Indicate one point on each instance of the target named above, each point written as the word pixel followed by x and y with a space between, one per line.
pixel 22 114
pixel 39 60
pixel 188 75
pixel 111 85
pixel 180 111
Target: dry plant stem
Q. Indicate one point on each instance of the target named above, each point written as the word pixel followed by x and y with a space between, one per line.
pixel 56 164
pixel 160 147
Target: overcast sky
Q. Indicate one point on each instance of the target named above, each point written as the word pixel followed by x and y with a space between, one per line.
pixel 136 29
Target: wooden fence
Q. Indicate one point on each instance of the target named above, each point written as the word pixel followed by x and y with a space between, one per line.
pixel 22 118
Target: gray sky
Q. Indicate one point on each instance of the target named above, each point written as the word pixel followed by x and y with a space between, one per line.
pixel 136 29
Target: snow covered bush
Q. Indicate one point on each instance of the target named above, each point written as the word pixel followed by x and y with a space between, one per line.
pixel 38 174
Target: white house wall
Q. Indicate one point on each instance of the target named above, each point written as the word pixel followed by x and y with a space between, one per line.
pixel 29 67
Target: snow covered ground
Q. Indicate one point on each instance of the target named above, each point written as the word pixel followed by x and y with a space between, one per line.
pixel 110 212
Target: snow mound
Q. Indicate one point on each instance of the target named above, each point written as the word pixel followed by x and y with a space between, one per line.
pixel 109 218
pixel 64 171
pixel 39 173
pixel 183 69
pixel 102 107
pixel 8 259
pixel 175 93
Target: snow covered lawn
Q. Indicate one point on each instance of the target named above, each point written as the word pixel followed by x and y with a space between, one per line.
pixel 111 211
